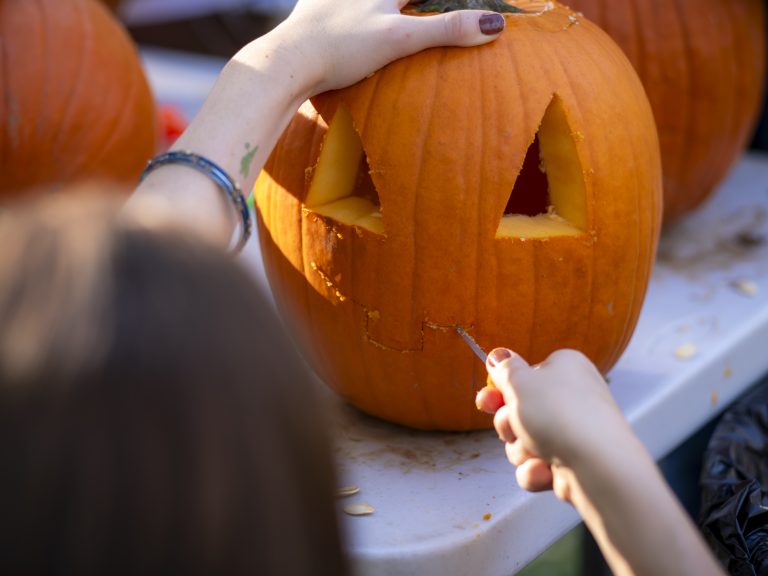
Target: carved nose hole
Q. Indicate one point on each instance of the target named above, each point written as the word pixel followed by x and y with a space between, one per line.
pixel 549 197
pixel 530 196
pixel 364 187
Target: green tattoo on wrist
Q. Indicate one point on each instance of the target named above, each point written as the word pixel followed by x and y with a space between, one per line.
pixel 247 160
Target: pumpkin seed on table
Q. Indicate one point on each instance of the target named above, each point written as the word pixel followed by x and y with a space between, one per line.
pixel 686 351
pixel 746 287
pixel 347 491
pixel 359 509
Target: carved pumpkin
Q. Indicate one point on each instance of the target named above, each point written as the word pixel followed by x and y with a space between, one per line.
pixel 702 63
pixel 513 189
pixel 74 100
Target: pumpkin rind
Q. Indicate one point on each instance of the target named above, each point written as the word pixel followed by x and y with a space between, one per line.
pixel 702 63
pixel 74 100
pixel 445 133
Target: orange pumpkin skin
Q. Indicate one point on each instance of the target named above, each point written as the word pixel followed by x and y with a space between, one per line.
pixel 113 4
pixel 74 101
pixel 445 133
pixel 702 63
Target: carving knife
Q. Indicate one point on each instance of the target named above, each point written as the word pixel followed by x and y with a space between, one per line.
pixel 479 352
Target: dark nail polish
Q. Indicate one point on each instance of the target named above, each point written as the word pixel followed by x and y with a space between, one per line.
pixel 491 24
pixel 498 355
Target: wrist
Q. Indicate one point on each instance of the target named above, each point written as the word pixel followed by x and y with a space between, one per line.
pixel 607 435
pixel 282 58
pixel 602 467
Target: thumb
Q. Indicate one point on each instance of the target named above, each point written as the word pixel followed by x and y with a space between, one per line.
pixel 459 28
pixel 503 366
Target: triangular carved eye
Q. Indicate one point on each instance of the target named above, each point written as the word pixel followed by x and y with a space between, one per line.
pixel 341 186
pixel 550 196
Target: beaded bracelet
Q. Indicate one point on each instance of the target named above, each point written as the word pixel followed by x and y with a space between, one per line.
pixel 219 177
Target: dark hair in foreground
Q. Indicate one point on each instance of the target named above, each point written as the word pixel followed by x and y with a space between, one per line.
pixel 154 418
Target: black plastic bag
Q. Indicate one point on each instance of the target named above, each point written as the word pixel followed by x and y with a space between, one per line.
pixel 734 481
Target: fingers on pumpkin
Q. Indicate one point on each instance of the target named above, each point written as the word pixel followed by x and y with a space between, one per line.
pixel 460 28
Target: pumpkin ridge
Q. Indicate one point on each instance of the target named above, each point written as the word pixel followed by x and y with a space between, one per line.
pixel 112 132
pixel 535 305
pixel 8 119
pixel 86 47
pixel 480 127
pixel 730 119
pixel 466 182
pixel 11 119
pixel 740 133
pixel 639 39
pixel 636 298
pixel 630 322
pixel 593 233
pixel 415 274
pixel 743 133
pixel 601 10
pixel 685 113
pixel 46 66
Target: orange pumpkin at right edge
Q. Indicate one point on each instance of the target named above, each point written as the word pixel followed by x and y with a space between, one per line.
pixel 702 63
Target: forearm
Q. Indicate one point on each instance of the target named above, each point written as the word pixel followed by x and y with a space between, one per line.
pixel 323 45
pixel 253 100
pixel 635 518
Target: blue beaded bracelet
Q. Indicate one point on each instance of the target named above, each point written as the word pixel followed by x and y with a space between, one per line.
pixel 219 177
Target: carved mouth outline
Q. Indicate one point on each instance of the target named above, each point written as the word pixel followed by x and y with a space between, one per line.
pixel 371 314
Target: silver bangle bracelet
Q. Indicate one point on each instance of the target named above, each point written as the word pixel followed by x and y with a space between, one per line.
pixel 219 177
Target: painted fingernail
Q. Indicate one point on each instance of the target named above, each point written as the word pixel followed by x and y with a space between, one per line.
pixel 491 24
pixel 498 355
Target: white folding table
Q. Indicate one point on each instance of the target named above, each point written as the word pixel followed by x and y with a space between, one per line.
pixel 447 503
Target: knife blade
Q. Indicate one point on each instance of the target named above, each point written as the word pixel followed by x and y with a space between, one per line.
pixel 479 352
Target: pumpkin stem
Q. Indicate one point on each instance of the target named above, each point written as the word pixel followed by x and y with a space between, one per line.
pixel 424 6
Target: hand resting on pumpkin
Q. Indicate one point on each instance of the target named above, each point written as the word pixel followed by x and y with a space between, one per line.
pixel 322 45
pixel 563 431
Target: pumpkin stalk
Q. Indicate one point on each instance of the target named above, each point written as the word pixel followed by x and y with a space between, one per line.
pixel 425 6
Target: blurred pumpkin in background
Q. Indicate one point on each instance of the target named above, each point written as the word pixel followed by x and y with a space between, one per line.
pixel 113 4
pixel 513 189
pixel 702 63
pixel 74 101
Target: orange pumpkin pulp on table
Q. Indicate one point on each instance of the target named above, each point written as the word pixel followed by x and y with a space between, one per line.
pixel 513 189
